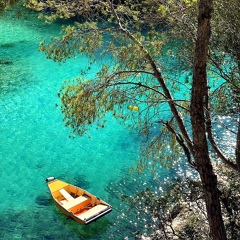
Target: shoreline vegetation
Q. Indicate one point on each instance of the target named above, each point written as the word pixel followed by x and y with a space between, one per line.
pixel 192 220
pixel 181 213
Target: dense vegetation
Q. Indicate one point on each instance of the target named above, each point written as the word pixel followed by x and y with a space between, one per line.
pixel 140 37
pixel 5 4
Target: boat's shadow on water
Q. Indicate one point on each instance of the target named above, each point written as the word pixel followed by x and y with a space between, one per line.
pixel 43 200
pixel 91 231
pixel 45 221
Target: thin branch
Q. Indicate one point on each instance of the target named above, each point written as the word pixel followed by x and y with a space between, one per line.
pixel 142 85
pixel 212 141
pixel 224 75
pixel 181 143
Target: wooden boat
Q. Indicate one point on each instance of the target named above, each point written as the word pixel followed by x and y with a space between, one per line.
pixel 76 203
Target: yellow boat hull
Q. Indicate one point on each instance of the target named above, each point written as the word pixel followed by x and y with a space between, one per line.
pixel 76 203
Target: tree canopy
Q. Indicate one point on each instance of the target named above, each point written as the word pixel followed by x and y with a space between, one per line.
pixel 136 57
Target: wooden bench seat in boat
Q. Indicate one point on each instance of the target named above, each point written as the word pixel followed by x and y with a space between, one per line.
pixel 75 201
pixel 66 194
pixel 93 212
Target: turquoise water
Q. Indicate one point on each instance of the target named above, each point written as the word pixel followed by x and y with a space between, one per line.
pixel 35 144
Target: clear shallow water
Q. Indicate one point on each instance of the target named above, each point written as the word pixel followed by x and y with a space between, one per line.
pixel 35 144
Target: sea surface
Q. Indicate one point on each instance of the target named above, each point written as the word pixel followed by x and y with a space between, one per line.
pixel 35 144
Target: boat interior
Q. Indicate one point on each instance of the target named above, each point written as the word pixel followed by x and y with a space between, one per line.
pixel 77 201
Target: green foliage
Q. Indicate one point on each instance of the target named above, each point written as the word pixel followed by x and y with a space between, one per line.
pixel 226 26
pixel 88 102
pixel 7 3
pixel 226 54
pixel 229 186
pixel 127 80
pixel 178 209
pixel 224 100
pixel 70 43
pixel 159 147
pixel 62 9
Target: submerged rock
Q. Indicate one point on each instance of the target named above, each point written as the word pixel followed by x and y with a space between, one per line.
pixel 6 62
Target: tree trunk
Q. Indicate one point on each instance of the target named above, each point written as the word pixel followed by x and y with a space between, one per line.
pixel 238 147
pixel 198 98
pixel 238 132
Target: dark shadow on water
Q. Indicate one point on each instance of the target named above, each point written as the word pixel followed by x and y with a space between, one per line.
pixel 80 180
pixel 93 231
pixel 47 223
pixel 7 45
pixel 6 62
pixel 42 200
